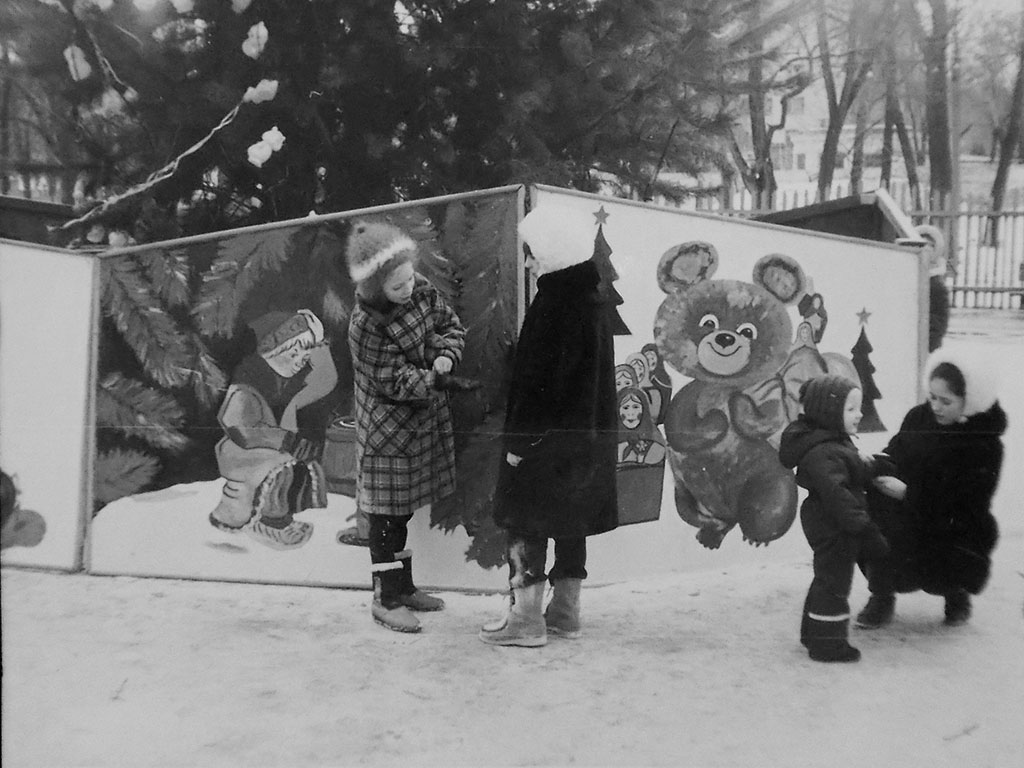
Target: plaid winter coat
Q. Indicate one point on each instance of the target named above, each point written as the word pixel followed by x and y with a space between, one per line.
pixel 405 443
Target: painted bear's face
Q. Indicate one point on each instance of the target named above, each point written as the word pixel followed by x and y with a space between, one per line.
pixel 724 330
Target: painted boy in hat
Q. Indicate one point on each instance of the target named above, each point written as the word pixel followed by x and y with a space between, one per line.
pixel 271 467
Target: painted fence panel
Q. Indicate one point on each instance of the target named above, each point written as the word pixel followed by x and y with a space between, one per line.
pixel 173 330
pixel 46 351
pixel 853 307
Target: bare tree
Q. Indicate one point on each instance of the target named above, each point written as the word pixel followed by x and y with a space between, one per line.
pixel 1014 133
pixel 864 25
pixel 934 47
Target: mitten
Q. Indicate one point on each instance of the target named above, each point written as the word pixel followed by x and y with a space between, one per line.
pixel 446 382
pixel 883 465
pixel 873 545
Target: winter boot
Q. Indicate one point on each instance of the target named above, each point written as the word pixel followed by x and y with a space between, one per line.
pixel 825 627
pixel 387 608
pixel 523 625
pixel 878 612
pixel 958 608
pixel 411 597
pixel 562 616
pixel 833 651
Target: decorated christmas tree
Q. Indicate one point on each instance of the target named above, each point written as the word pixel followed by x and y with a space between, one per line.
pixel 861 351
pixel 606 288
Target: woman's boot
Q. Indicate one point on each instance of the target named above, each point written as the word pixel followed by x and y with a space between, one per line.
pixel 562 616
pixel 387 608
pixel 523 625
pixel 411 597
pixel 958 608
pixel 878 612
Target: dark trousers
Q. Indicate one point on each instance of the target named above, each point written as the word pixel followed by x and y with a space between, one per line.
pixel 826 615
pixel 527 558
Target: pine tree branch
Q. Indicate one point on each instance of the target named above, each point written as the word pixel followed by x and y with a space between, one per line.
pixel 135 410
pixel 146 327
pixel 242 262
pixel 169 274
pixel 122 472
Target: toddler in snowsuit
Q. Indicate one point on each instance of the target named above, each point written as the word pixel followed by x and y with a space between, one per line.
pixel 834 515
pixel 405 340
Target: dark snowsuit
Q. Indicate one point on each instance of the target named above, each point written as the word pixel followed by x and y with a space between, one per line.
pixel 835 521
pixel 942 533
pixel 561 416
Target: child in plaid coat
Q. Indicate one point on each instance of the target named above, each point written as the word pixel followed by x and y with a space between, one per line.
pixel 405 341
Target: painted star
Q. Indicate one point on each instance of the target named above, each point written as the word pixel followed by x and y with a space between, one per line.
pixel 863 316
pixel 601 215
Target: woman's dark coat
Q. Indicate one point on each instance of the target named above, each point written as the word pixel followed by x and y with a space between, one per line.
pixel 561 414
pixel 943 532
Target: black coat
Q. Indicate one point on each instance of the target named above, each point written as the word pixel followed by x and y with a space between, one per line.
pixel 561 415
pixel 835 476
pixel 943 531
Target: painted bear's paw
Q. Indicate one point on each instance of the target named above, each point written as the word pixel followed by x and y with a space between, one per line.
pixel 710 538
pixel 755 542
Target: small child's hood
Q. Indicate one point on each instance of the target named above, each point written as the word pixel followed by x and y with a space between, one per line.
pixel 799 438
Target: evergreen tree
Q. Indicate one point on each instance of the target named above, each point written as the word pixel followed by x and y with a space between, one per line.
pixel 861 351
pixel 606 288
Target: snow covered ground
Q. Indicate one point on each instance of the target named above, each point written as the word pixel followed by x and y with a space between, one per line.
pixel 690 669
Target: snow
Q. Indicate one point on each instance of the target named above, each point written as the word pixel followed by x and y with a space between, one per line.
pixel 700 668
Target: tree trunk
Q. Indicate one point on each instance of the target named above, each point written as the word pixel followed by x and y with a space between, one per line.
pixel 1013 135
pixel 937 101
pixel 857 159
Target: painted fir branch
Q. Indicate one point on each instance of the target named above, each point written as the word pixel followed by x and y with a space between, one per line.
pixel 152 334
pixel 242 263
pixel 122 472
pixel 132 409
pixel 169 275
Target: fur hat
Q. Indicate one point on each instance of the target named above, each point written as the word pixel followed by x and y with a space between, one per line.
pixel 824 398
pixel 980 381
pixel 275 328
pixel 558 237
pixel 374 247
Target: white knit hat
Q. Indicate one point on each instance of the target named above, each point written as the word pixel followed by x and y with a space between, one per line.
pixel 558 237
pixel 373 246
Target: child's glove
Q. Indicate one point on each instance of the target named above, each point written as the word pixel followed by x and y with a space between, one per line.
pixel 446 382
pixel 873 545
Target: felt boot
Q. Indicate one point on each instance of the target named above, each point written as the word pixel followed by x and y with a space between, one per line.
pixel 825 626
pixel 878 611
pixel 562 616
pixel 411 597
pixel 387 608
pixel 523 625
pixel 958 608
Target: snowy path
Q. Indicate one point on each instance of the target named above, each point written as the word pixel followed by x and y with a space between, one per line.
pixel 693 669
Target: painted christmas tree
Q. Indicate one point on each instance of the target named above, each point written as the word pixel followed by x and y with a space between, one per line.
pixel 861 351
pixel 606 288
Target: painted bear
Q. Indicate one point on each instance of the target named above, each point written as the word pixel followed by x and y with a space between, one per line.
pixel 727 336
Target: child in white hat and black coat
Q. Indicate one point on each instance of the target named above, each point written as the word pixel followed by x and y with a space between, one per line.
pixel 834 515
pixel 405 340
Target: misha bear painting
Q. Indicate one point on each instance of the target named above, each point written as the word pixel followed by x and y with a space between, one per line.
pixel 735 340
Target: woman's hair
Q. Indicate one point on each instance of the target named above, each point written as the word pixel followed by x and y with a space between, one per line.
pixel 953 377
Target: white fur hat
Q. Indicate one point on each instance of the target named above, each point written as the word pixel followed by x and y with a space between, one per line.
pixel 980 381
pixel 558 237
pixel 372 246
